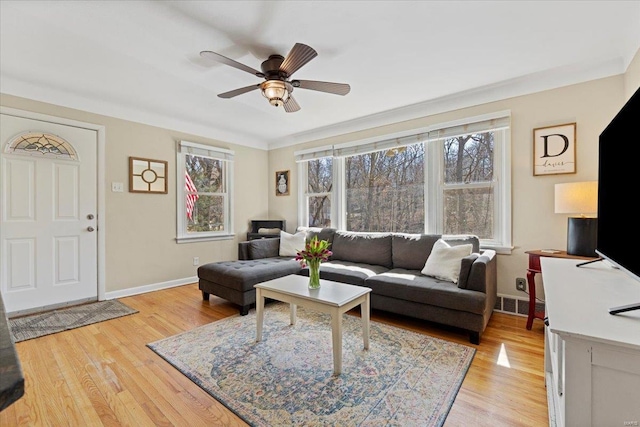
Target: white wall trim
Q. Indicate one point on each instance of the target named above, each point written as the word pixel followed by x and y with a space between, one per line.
pixel 101 180
pixel 150 288
pixel 519 86
pixel 65 98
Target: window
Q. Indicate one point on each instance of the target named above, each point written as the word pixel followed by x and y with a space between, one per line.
pixel 317 181
pixel 319 185
pixel 468 184
pixel 385 190
pixel 447 179
pixel 204 192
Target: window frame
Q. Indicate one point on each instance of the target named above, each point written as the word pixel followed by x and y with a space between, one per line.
pixel 501 203
pixel 303 158
pixel 433 175
pixel 185 148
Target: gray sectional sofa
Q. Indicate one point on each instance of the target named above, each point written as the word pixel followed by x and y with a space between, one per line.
pixel 388 263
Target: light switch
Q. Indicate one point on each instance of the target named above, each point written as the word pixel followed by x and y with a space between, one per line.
pixel 117 187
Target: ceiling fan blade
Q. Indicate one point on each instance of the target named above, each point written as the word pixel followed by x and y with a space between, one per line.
pixel 335 88
pixel 237 92
pixel 299 55
pixel 228 61
pixel 291 106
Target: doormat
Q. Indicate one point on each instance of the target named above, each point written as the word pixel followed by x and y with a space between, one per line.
pixel 51 322
pixel 404 379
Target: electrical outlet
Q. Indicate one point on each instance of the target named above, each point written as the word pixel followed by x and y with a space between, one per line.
pixel 521 284
pixel 196 260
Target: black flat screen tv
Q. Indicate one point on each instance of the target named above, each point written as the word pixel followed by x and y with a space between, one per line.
pixel 619 190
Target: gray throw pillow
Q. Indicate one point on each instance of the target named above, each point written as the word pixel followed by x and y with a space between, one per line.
pixel 465 270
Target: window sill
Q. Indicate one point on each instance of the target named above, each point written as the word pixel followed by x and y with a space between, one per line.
pixel 504 250
pixel 195 239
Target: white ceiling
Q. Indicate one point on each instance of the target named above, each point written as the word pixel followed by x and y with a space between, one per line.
pixel 139 60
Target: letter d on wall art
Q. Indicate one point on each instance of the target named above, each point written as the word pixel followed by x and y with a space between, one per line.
pixel 554 150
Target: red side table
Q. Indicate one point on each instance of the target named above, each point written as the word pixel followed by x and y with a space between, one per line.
pixel 534 268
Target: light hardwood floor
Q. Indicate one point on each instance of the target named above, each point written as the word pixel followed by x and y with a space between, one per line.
pixel 104 374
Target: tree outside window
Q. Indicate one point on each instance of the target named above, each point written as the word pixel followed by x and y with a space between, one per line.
pixel 208 212
pixel 319 185
pixel 468 185
pixel 204 189
pixel 385 190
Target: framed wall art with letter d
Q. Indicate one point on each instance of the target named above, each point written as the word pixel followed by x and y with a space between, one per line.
pixel 554 150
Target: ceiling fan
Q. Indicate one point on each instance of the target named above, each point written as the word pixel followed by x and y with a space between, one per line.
pixel 277 71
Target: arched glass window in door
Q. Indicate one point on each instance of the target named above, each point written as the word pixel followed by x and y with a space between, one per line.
pixel 41 144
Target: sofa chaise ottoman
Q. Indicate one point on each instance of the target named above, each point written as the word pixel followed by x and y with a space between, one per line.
pixel 233 280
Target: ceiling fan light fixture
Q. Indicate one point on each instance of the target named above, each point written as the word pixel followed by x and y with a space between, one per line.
pixel 276 91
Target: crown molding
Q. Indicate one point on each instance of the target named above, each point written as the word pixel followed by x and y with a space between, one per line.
pixel 525 85
pixel 68 99
pixel 532 83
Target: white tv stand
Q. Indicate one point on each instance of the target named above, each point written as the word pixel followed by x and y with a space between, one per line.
pixel 592 358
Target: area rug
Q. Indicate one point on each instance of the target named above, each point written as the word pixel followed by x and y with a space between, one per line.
pixel 51 322
pixel 404 379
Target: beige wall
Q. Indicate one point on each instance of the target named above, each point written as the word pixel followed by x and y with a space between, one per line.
pixel 535 226
pixel 632 76
pixel 141 228
pixel 140 245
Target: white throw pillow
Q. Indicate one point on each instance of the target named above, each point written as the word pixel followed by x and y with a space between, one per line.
pixel 290 244
pixel 444 261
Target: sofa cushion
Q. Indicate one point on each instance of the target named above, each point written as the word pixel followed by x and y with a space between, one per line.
pixel 465 270
pixel 264 248
pixel 242 275
pixel 462 239
pixel 347 272
pixel 291 244
pixel 365 248
pixel 411 251
pixel 326 233
pixel 444 260
pixel 410 285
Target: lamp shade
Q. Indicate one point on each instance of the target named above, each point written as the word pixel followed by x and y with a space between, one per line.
pixel 576 198
pixel 276 90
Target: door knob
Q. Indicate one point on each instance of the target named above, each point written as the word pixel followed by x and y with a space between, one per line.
pixel 90 216
pixel 90 228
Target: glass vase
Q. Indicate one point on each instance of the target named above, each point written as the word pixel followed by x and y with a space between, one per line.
pixel 314 276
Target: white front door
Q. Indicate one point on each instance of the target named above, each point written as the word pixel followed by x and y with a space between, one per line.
pixel 48 217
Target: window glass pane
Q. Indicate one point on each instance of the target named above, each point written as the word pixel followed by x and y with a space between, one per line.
pixel 469 211
pixel 385 190
pixel 319 211
pixel 207 214
pixel 468 158
pixel 320 177
pixel 207 174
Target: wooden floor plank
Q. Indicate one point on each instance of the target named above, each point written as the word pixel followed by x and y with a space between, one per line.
pixel 104 374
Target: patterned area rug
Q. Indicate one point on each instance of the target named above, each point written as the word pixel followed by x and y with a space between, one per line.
pixel 404 379
pixel 37 325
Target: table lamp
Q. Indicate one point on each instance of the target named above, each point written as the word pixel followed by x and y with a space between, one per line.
pixel 579 198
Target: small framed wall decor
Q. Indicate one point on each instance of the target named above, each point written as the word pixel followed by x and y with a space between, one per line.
pixel 282 183
pixel 554 150
pixel 147 176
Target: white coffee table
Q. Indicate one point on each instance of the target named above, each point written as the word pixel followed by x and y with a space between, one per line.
pixel 332 298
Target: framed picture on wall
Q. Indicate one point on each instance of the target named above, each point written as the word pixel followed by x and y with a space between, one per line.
pixel 282 183
pixel 147 175
pixel 554 150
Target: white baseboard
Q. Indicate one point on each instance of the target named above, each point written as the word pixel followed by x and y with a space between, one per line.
pixel 150 288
